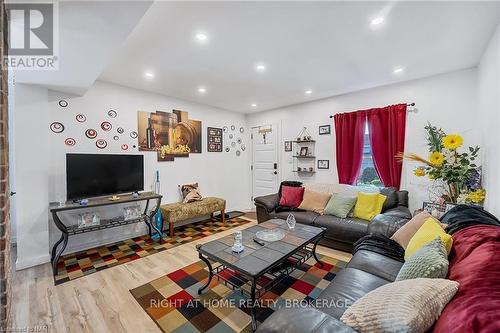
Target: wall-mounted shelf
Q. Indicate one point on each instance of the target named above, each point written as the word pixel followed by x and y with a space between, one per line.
pixel 298 156
pixel 304 141
pixel 304 171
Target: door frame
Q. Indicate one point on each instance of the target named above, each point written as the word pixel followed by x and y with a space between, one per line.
pixel 278 154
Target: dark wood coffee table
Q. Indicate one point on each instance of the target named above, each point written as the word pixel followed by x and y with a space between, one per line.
pixel 258 268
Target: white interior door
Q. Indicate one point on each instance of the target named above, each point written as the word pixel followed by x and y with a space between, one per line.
pixel 265 176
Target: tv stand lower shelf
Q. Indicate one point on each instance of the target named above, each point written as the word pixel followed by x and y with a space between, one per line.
pixel 71 230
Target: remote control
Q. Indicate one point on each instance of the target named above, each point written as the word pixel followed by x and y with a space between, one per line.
pixel 258 241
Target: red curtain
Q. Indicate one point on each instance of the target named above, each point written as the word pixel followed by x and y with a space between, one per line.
pixel 387 136
pixel 349 132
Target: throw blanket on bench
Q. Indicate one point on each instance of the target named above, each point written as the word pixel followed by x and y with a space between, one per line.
pixel 382 245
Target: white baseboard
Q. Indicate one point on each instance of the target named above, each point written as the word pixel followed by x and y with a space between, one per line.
pixel 32 261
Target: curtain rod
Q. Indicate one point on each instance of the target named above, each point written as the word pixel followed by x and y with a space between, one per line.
pixel 409 104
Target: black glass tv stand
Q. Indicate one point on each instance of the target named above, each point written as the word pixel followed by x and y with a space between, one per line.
pixel 71 230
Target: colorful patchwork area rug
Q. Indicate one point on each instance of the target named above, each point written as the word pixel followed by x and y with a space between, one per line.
pixel 172 301
pixel 75 265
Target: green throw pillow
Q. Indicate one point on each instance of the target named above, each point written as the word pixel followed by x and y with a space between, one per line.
pixel 339 206
pixel 430 261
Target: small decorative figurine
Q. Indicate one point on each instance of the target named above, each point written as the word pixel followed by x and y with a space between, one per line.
pixel 238 247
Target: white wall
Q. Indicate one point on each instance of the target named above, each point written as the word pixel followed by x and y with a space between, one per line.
pixel 31 174
pixel 41 154
pixel 489 107
pixel 447 100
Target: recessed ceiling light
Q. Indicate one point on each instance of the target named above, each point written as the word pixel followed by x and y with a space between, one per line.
pixel 201 37
pixel 377 20
pixel 260 68
pixel 254 105
pixel 398 70
pixel 202 90
pixel 308 92
pixel 149 75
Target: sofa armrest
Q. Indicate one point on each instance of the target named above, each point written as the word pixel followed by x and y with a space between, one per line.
pixel 390 221
pixel 269 202
pixel 302 320
pixel 265 205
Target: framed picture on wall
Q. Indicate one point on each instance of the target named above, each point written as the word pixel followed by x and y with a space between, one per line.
pixel 288 145
pixel 303 151
pixel 214 139
pixel 323 164
pixel 324 130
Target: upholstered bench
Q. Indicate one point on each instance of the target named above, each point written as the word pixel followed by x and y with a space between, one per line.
pixel 179 211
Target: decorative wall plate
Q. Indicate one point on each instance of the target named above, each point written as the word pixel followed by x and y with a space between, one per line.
pixel 227 149
pixel 224 129
pixel 233 127
pixel 133 135
pixel 238 153
pixel 124 146
pixel 91 133
pixel 233 144
pixel 106 126
pixel 101 144
pixel 63 103
pixel 57 127
pixel 242 130
pixel 116 137
pixel 70 142
pixel 80 118
pixel 231 136
pixel 112 113
pixel 243 147
pixel 239 141
pixel 120 130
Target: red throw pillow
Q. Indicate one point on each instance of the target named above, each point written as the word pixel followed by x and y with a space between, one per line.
pixel 291 196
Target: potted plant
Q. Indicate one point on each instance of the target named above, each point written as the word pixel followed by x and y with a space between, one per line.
pixel 456 168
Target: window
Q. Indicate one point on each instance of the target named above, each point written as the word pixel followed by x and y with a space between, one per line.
pixel 368 175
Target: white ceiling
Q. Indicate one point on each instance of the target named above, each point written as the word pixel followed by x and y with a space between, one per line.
pixel 328 47
pixel 89 33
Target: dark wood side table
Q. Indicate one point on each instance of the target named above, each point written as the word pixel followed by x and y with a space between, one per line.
pixel 71 230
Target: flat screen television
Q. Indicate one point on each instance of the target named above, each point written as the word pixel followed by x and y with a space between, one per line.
pixel 93 175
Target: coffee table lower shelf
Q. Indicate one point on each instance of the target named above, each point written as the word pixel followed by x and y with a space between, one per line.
pixel 239 282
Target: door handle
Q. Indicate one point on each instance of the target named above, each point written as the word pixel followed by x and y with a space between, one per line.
pixel 275 172
pixel 12 193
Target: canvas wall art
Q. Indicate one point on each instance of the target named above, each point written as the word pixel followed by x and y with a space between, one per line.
pixel 169 134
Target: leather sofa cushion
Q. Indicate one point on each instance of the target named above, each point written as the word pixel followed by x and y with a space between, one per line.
pixel 391 200
pixel 376 264
pixel 346 288
pixel 346 230
pixel 301 217
pixel 402 198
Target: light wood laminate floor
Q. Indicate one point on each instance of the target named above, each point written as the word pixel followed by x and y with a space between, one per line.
pixel 101 302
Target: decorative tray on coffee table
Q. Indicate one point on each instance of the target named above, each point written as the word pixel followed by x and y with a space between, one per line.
pixel 270 235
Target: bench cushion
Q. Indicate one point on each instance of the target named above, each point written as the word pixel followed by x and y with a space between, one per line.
pixel 177 212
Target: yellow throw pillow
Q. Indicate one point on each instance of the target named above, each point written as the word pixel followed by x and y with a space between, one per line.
pixel 315 201
pixel 368 205
pixel 426 233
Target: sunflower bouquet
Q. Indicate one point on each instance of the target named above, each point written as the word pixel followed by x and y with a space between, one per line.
pixel 455 168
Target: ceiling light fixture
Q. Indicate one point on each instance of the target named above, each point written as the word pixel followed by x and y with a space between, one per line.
pixel 202 90
pixel 260 68
pixel 254 105
pixel 201 37
pixel 377 21
pixel 308 92
pixel 398 70
pixel 149 75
